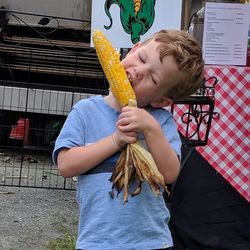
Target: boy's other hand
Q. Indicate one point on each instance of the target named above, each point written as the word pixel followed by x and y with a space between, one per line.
pixel 121 139
pixel 133 119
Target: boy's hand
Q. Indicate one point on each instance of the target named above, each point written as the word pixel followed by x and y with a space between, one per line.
pixel 121 139
pixel 137 120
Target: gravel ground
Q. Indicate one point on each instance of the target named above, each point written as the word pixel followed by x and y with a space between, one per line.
pixel 31 217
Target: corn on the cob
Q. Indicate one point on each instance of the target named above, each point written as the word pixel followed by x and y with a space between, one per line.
pixel 134 162
pixel 109 59
pixel 137 4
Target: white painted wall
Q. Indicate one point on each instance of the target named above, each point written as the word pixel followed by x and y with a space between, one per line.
pixel 38 100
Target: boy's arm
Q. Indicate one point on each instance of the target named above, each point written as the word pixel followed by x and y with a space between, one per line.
pixel 139 120
pixel 165 157
pixel 78 160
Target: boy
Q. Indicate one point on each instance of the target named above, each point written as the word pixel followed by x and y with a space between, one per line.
pixel 166 67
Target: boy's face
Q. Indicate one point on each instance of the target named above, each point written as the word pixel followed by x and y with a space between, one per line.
pixel 149 76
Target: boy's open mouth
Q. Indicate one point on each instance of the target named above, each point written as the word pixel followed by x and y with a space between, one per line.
pixel 130 78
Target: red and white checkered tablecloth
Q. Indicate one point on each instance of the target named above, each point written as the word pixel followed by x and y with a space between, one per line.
pixel 228 148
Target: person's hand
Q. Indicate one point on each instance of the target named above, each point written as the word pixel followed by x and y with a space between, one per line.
pixel 136 120
pixel 121 139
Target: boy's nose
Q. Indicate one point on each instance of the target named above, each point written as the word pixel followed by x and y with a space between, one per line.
pixel 140 72
pixel 139 76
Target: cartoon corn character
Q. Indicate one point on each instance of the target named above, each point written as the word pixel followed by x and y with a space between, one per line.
pixel 137 16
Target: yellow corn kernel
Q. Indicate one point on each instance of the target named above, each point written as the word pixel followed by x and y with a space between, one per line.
pixel 137 7
pixel 117 78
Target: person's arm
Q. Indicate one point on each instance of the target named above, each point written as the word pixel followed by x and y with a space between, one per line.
pixel 139 120
pixel 165 157
pixel 78 160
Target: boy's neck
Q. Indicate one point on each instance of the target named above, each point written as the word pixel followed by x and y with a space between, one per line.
pixel 112 102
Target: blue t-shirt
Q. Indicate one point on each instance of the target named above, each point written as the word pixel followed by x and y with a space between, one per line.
pixel 106 223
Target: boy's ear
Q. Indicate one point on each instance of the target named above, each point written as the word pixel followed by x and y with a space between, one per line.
pixel 135 47
pixel 161 103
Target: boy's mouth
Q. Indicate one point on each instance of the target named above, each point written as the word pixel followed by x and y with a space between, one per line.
pixel 130 78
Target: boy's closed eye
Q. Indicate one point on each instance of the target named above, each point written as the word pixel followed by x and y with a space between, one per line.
pixel 154 80
pixel 143 58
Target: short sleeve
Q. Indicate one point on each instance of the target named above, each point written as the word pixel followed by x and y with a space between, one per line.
pixel 71 134
pixel 170 130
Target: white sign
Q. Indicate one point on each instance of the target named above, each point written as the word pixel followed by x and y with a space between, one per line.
pixel 127 22
pixel 225 33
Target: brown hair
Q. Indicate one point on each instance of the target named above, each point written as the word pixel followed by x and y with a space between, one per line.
pixel 188 55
